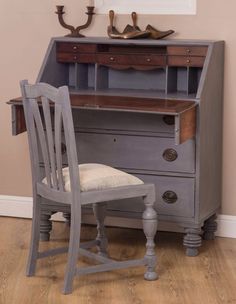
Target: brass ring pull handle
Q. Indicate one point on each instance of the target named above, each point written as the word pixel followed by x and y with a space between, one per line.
pixel 170 155
pixel 169 120
pixel 170 197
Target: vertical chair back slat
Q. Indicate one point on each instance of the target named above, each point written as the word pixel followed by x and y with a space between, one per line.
pixel 42 141
pixel 58 142
pixel 49 133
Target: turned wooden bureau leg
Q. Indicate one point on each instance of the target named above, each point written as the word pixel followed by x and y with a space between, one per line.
pixel 209 228
pixel 67 217
pixel 45 225
pixel 99 211
pixel 192 241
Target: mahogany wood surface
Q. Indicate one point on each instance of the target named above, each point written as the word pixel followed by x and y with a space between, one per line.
pixel 187 125
pixel 187 50
pixel 160 106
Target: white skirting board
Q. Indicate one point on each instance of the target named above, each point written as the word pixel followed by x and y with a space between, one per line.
pixel 18 206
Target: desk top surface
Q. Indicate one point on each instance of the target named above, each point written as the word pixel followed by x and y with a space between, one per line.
pixel 132 104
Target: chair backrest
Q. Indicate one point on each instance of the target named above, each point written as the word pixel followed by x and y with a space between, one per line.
pixel 48 115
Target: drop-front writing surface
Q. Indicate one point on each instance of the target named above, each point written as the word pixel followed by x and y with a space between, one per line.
pixel 151 108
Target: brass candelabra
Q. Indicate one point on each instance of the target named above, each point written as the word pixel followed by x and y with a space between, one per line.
pixel 75 31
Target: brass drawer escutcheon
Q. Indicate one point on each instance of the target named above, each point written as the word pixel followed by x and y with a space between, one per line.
pixel 170 197
pixel 170 155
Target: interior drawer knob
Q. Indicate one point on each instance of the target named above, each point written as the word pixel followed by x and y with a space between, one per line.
pixel 188 51
pixel 188 61
pixel 75 47
pixel 112 58
pixel 75 57
pixel 148 59
pixel 170 197
pixel 170 155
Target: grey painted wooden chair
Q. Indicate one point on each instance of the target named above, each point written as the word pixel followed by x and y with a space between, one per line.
pixel 76 185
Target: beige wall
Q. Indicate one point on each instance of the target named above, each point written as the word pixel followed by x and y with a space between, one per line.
pixel 25 29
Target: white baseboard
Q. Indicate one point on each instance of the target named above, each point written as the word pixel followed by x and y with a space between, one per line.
pixel 19 206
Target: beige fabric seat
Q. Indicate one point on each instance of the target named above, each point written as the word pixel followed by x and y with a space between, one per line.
pixel 99 177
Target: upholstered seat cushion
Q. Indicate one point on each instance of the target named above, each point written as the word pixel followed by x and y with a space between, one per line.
pixel 99 177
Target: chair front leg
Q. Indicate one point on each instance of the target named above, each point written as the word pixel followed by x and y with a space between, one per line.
pixel 99 210
pixel 150 228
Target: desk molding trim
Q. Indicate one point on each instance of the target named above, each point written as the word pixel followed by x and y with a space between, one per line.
pixel 21 207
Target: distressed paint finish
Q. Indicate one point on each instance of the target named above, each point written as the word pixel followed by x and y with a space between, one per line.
pixel 45 136
pixel 136 140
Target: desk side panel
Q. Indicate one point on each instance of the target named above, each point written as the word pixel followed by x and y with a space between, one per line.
pixel 209 138
pixel 51 71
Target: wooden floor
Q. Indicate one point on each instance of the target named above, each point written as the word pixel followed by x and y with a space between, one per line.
pixel 208 278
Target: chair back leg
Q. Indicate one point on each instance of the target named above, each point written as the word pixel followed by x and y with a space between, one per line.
pixel 73 252
pixel 35 235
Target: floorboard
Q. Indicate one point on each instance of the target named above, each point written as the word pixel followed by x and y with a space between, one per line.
pixel 209 278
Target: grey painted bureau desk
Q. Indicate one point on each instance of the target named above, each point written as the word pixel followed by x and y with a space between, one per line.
pixel 153 109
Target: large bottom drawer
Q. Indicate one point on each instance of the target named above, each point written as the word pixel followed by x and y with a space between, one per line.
pixel 174 197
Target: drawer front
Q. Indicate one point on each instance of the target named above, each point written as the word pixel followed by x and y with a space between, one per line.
pixel 187 50
pixel 174 197
pixel 186 61
pixel 134 122
pixel 81 58
pixel 136 152
pixel 148 60
pixel 63 47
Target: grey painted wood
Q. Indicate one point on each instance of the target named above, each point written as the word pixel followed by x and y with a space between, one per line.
pixel 121 121
pixel 209 228
pixel 100 213
pixel 203 85
pixel 42 138
pixel 192 241
pixel 118 150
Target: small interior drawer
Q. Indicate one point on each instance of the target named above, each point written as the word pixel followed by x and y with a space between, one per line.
pixel 187 50
pixel 81 58
pixel 148 60
pixel 186 61
pixel 76 47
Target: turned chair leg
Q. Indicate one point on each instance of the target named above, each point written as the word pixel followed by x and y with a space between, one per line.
pixel 35 236
pixel 150 228
pixel 100 214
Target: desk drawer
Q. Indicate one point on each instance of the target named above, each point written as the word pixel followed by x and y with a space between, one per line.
pixel 116 121
pixel 174 197
pixel 136 152
pixel 186 61
pixel 187 50
pixel 148 60
pixel 65 47
pixel 81 58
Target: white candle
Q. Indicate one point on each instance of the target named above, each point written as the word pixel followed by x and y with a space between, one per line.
pixel 90 2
